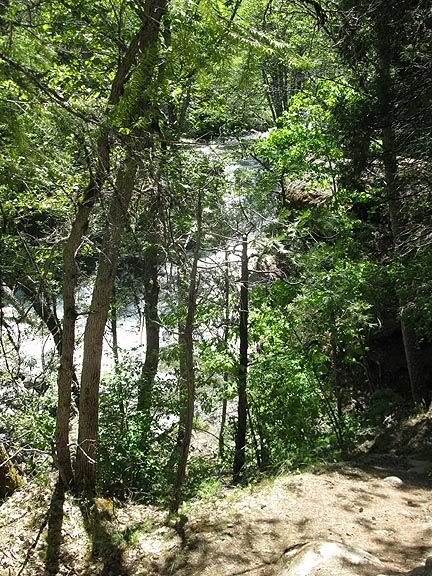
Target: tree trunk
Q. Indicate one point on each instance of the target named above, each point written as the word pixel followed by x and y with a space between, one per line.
pixel 144 43
pixel 264 451
pixel 85 472
pixel 386 96
pixel 44 308
pixel 225 340
pixel 115 346
pixel 336 367
pixel 182 295
pixel 66 368
pixel 223 421
pixel 70 267
pixel 116 357
pixel 152 328
pixel 152 261
pixel 240 439
pixel 187 351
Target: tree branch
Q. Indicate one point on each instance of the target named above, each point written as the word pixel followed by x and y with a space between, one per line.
pixel 57 98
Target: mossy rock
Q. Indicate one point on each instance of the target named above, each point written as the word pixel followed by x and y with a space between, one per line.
pixel 10 478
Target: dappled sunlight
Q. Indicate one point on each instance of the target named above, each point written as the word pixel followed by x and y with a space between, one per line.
pixel 241 531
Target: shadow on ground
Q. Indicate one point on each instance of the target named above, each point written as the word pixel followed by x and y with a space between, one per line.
pixel 371 471
pixel 253 546
pixel 105 549
pixel 54 536
pixel 219 544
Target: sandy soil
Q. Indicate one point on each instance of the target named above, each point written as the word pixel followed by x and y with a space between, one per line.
pixel 242 531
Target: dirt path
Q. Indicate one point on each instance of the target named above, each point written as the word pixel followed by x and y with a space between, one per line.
pixel 241 532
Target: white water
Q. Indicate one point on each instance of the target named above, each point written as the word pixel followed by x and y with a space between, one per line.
pixel 36 346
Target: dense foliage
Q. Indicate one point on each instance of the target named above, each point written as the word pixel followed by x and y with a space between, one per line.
pixel 215 235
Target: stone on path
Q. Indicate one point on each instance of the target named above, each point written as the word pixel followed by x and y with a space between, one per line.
pixel 393 480
pixel 327 558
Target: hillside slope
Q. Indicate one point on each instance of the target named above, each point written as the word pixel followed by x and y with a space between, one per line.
pixel 241 531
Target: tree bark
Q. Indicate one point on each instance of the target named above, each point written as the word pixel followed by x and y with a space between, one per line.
pixel 240 438
pixel 187 351
pixel 85 471
pixel 225 340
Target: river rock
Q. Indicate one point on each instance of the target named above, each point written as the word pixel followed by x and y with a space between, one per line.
pixel 393 480
pixel 326 558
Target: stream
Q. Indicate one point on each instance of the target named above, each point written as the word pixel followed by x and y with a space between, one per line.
pixel 35 342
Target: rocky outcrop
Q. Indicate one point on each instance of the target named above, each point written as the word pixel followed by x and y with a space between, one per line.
pixel 301 194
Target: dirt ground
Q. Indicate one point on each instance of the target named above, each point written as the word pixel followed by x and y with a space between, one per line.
pixel 241 531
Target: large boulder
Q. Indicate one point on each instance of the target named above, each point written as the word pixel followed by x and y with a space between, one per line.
pixel 327 558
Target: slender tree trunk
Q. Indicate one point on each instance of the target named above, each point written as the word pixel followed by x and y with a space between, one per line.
pixel 66 369
pixel 7 293
pixel 115 346
pixel 336 366
pixel 223 421
pixel 183 110
pixel 85 471
pixel 385 89
pixel 268 93
pixel 225 340
pixel 44 307
pixel 240 439
pixel 254 440
pixel 182 295
pixel 264 451
pixel 152 328
pixel 187 351
pixel 116 357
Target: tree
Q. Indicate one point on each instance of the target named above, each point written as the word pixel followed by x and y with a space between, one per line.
pixel 187 373
pixel 128 100
pixel 141 107
pixel 240 438
pixel 377 50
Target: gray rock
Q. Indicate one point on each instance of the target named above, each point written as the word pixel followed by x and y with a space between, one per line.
pixel 325 558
